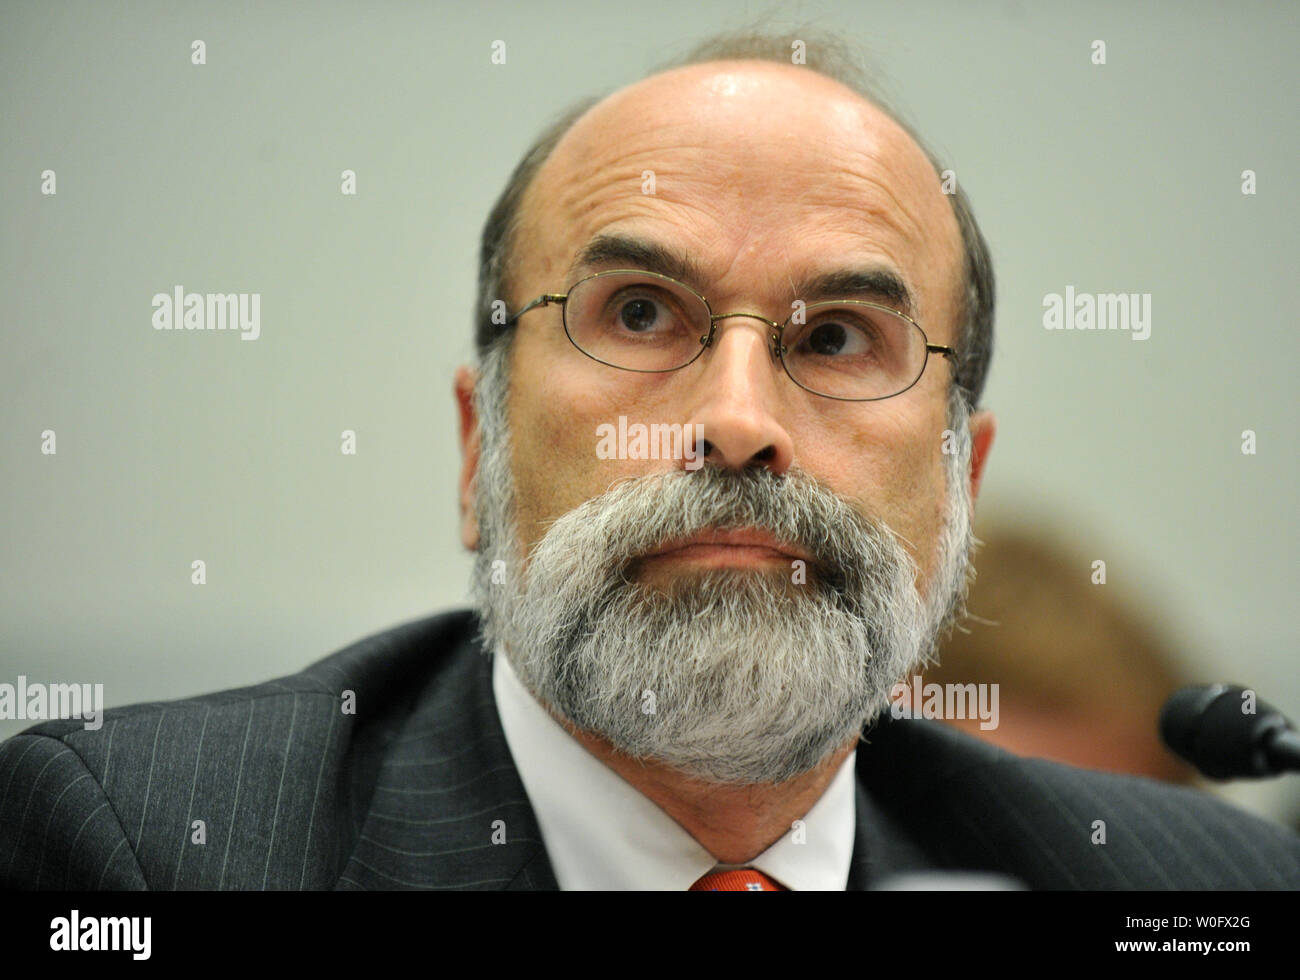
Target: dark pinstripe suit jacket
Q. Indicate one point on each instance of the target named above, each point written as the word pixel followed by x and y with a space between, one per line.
pixel 294 793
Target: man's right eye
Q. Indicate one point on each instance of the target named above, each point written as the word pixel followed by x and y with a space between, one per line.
pixel 639 315
pixel 642 314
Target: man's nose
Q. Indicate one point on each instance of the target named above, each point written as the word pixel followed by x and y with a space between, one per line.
pixel 737 398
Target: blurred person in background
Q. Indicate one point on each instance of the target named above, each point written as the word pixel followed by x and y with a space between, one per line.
pixel 1082 673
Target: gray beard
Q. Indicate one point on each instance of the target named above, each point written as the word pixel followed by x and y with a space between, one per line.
pixel 728 676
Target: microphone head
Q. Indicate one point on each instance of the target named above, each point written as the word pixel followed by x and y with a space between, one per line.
pixel 1223 731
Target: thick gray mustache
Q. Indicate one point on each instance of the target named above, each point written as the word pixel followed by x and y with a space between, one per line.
pixel 641 514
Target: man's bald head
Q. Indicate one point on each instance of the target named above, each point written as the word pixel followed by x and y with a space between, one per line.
pixel 767 189
pixel 744 110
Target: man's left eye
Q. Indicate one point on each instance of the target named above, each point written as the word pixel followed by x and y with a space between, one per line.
pixel 834 338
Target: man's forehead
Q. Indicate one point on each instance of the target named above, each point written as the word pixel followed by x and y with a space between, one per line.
pixel 747 100
pixel 738 155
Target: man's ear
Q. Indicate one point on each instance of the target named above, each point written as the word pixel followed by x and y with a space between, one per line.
pixel 982 428
pixel 463 388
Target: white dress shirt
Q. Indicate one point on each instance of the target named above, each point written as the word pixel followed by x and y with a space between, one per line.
pixel 602 834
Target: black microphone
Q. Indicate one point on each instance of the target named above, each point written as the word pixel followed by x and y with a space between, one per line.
pixel 1227 733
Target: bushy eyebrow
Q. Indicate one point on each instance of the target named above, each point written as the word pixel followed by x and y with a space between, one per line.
pixel 875 283
pixel 637 253
pixel 879 284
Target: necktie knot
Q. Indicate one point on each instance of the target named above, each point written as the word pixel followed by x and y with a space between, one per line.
pixel 741 880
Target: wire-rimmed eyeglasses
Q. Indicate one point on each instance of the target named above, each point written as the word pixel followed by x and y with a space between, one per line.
pixel 635 320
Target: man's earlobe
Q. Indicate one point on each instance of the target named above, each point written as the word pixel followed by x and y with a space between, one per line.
pixel 983 426
pixel 468 520
pixel 463 389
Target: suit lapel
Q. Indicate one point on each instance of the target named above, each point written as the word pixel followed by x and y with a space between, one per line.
pixel 882 847
pixel 448 809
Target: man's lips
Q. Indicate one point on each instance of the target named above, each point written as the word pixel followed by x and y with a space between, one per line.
pixel 741 547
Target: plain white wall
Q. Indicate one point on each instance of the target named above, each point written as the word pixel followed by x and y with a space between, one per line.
pixel 225 177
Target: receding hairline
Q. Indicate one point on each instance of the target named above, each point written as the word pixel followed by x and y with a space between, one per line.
pixel 836 62
pixel 527 198
pixel 804 74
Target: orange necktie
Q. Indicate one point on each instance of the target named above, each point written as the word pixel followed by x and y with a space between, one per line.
pixel 743 880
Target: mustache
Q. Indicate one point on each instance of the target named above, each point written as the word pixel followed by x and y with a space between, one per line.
pixel 641 514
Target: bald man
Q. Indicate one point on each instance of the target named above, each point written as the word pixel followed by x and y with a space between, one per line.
pixel 719 457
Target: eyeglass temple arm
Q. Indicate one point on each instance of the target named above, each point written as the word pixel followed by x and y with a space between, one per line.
pixel 544 300
pixel 939 349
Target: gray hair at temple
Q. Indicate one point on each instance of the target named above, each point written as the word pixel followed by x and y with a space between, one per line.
pixel 828 56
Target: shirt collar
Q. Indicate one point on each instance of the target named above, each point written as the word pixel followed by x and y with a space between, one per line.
pixel 602 834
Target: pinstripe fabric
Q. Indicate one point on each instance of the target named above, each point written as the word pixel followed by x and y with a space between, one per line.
pixel 975 807
pixel 417 790
pixel 293 793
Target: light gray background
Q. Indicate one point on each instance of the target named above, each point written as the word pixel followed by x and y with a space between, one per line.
pixel 225 177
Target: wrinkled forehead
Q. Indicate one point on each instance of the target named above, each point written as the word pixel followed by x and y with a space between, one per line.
pixel 745 165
